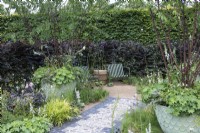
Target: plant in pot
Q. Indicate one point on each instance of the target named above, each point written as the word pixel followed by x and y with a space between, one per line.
pixel 58 81
pixel 177 97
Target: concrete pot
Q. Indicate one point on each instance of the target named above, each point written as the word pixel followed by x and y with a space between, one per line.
pixel 175 124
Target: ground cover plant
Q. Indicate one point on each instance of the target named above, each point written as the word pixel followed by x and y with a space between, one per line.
pixel 33 125
pixel 59 111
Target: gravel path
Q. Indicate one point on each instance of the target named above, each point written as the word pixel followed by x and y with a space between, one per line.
pixel 99 118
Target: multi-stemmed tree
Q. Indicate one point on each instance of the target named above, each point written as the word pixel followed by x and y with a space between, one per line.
pixel 162 14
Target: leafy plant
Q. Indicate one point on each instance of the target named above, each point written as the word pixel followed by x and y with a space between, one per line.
pixel 59 111
pixel 56 76
pixel 138 120
pixel 181 101
pixel 42 73
pixel 8 117
pixel 63 76
pixel 36 124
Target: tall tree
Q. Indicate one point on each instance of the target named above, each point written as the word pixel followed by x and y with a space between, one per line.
pixel 162 14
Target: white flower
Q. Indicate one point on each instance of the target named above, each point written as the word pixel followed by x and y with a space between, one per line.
pixel 148 130
pixel 83 48
pixel 31 109
pixel 39 111
pixel 167 56
pixel 129 131
pixel 191 129
pixel 77 94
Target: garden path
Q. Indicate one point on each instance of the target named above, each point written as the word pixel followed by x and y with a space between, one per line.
pixel 99 117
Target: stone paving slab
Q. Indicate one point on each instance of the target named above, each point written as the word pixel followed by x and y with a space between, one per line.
pixel 99 119
pixel 121 90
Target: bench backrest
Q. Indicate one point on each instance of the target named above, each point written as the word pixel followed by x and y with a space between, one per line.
pixel 116 70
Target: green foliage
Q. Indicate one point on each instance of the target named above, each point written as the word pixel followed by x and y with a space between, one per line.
pixel 115 24
pixel 57 76
pixel 59 111
pixel 58 82
pixel 88 95
pixel 34 125
pixel 2 10
pixel 8 117
pixel 42 73
pixel 63 76
pixel 138 120
pixel 182 101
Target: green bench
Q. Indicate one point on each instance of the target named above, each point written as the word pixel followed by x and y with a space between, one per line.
pixel 116 71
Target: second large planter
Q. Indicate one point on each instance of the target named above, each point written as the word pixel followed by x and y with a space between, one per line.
pixel 174 124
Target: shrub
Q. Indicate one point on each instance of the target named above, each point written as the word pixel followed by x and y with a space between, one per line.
pixel 59 111
pixel 92 95
pixel 34 125
pixel 17 63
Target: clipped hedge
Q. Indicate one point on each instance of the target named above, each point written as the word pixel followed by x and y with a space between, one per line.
pixel 123 24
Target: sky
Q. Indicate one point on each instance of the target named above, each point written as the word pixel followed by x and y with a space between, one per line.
pixel 12 11
pixel 1 2
pixel 111 1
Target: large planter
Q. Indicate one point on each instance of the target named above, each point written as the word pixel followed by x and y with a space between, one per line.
pixel 174 124
pixel 102 75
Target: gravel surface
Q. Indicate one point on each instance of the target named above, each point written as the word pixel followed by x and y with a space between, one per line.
pixel 99 118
